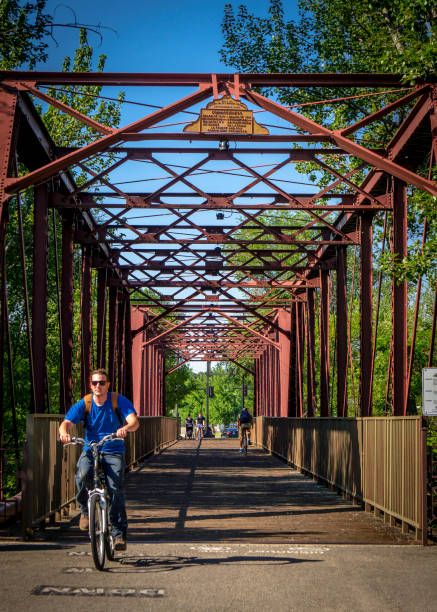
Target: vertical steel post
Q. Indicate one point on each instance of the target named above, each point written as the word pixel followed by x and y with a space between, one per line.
pixel 163 397
pixel 40 295
pixel 102 283
pixel 324 343
pixel 147 399
pixel 2 343
pixel 400 302
pixel 292 402
pixel 311 352
pixel 67 303
pixel 284 321
pixel 128 383
pixel 255 388
pixel 300 355
pixel 112 340
pixel 121 304
pixel 208 373
pixel 341 332
pixel 137 352
pixel 366 315
pixel 86 320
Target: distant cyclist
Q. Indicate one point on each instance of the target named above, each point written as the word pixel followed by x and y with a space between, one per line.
pixel 244 421
pixel 200 421
pixel 189 424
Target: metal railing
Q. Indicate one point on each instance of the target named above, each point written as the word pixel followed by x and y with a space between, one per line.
pixel 380 461
pixel 50 467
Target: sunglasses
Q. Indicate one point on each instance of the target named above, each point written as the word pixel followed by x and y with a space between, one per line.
pixel 99 382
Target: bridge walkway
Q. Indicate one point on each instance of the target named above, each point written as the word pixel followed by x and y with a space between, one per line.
pixel 210 493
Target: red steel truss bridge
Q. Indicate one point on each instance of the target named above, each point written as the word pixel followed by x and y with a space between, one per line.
pixel 223 256
pixel 189 233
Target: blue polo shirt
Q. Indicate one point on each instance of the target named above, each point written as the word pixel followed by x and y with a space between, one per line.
pixel 101 421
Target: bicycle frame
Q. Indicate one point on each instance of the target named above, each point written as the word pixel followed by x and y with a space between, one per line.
pixel 99 489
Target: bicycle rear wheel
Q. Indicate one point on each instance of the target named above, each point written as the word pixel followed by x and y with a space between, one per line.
pixel 97 534
pixel 109 547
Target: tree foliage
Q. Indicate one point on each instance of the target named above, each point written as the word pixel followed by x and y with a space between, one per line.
pixel 190 392
pixel 23 29
pixel 339 36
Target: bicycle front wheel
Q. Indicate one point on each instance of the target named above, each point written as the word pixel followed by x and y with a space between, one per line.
pixel 97 534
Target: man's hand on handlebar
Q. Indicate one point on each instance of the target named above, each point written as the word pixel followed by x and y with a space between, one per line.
pixel 65 438
pixel 122 432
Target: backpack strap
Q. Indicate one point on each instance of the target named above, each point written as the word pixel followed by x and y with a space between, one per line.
pixel 114 400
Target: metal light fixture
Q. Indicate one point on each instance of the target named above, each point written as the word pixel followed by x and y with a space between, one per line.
pixel 223 145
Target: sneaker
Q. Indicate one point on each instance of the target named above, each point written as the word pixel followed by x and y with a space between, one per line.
pixel 249 442
pixel 84 522
pixel 241 450
pixel 119 544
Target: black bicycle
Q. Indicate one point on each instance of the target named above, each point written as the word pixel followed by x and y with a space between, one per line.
pixel 100 529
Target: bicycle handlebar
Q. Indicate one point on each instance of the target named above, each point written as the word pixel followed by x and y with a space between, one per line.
pixel 111 436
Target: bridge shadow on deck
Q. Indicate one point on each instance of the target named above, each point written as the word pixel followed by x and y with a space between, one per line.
pixel 209 492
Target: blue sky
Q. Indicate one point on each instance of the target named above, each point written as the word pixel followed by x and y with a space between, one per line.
pixel 151 35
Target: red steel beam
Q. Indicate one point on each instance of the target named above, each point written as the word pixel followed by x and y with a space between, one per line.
pixel 153 79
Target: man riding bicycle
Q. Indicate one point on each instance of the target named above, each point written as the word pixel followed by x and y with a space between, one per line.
pixel 102 413
pixel 244 422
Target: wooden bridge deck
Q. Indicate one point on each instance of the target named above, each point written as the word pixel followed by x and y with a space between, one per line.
pixel 209 492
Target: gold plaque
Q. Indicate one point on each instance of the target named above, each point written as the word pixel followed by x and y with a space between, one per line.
pixel 226 116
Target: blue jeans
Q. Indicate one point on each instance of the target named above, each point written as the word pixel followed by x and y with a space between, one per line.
pixel 113 468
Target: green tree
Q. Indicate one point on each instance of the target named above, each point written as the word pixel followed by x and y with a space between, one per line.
pixel 23 28
pixel 178 386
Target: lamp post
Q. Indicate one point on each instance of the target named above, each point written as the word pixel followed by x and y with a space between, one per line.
pixel 208 371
